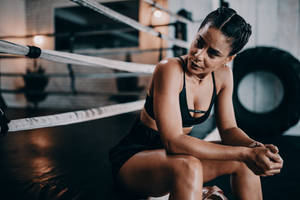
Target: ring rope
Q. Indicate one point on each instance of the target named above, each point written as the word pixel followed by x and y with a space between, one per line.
pixel 77 75
pixel 71 58
pixel 178 17
pixel 94 5
pixel 121 51
pixel 73 117
pixel 69 93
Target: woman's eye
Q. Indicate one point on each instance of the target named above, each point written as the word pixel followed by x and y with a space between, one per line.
pixel 200 44
pixel 212 53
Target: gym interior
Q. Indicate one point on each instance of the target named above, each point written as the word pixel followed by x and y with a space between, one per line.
pixel 67 159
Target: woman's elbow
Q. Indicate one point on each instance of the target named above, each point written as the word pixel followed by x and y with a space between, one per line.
pixel 171 146
pixel 168 147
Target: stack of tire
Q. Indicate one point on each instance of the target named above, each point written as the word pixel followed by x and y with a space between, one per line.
pixel 287 68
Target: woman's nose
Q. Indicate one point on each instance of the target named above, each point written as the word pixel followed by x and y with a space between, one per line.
pixel 199 54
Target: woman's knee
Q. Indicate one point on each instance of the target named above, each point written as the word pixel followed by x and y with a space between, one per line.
pixel 241 168
pixel 187 167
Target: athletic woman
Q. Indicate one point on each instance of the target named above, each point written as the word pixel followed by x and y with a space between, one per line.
pixel 159 156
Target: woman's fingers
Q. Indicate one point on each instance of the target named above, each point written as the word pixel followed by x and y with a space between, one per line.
pixel 273 148
pixel 275 165
pixel 270 161
pixel 271 172
pixel 255 144
pixel 274 157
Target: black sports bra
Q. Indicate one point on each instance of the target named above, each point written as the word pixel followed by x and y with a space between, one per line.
pixel 187 119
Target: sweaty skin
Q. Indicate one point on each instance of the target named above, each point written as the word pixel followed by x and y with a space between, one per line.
pixel 196 161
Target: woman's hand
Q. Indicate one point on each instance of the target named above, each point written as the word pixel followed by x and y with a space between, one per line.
pixel 263 160
pixel 273 148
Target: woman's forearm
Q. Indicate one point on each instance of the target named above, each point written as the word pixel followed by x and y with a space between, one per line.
pixel 189 145
pixel 236 137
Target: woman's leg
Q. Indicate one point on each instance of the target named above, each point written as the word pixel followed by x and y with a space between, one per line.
pixel 154 173
pixel 244 183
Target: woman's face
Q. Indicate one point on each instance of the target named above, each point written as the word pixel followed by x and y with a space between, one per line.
pixel 209 51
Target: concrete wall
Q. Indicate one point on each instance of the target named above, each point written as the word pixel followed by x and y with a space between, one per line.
pixel 13 22
pixel 274 22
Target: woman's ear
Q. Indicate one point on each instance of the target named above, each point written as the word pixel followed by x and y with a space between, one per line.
pixel 230 58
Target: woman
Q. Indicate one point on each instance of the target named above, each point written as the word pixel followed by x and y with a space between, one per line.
pixel 159 156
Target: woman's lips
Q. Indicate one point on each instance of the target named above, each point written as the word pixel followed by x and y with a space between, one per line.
pixel 195 66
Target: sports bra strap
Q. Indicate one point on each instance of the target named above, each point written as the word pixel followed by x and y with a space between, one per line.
pixel 214 82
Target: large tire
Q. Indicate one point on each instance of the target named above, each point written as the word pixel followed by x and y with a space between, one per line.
pixel 287 69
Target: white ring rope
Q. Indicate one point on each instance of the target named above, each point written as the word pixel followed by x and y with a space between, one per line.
pixel 71 58
pixel 94 5
pixel 77 75
pixel 178 17
pixel 73 117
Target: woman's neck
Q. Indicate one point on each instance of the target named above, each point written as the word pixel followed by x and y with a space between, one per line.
pixel 199 79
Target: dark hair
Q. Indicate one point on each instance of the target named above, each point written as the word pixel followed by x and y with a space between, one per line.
pixel 231 25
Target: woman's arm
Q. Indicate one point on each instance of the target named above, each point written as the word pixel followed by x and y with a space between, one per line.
pixel 229 132
pixel 225 118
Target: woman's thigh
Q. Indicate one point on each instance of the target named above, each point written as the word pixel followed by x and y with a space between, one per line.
pixel 147 173
pixel 152 172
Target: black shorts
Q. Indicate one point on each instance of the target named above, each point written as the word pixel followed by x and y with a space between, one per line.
pixel 140 138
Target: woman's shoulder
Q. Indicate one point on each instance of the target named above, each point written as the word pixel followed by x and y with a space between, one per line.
pixel 171 65
pixel 168 72
pixel 224 77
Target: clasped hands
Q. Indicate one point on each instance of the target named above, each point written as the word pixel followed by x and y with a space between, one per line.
pixel 264 159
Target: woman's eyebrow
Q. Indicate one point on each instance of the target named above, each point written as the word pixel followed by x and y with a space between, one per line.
pixel 201 39
pixel 215 51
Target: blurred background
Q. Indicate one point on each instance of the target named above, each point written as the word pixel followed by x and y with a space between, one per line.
pixel 71 162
